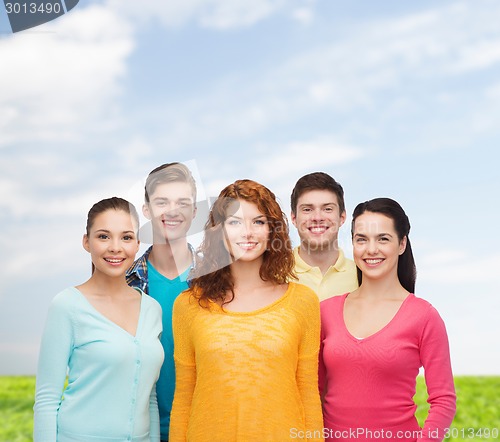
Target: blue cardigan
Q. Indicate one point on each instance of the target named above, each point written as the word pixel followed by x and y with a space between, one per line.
pixel 110 394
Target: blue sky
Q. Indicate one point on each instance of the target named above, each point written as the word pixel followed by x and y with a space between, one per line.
pixel 397 99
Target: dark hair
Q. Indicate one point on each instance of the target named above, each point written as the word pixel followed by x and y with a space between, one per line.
pixel 113 203
pixel 407 271
pixel 212 276
pixel 169 173
pixel 317 181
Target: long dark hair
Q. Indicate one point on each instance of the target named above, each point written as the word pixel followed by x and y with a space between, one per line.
pixel 211 277
pixel 407 271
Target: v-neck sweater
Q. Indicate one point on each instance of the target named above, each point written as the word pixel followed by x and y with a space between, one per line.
pixel 110 394
pixel 368 384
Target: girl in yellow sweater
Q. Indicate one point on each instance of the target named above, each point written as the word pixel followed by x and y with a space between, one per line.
pixel 245 339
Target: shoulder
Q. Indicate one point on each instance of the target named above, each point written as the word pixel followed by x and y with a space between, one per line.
pixel 421 306
pixel 303 301
pixel 64 306
pixel 187 300
pixel 303 292
pixel 149 301
pixel 423 314
pixel 65 299
pixel 332 303
pixel 345 263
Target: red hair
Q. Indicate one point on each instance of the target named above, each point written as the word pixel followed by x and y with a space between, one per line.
pixel 212 277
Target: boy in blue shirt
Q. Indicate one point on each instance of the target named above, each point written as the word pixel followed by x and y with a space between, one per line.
pixel 170 205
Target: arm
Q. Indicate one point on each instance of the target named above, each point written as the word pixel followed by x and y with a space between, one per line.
pixel 322 369
pixel 154 417
pixel 55 350
pixel 435 357
pixel 307 369
pixel 185 370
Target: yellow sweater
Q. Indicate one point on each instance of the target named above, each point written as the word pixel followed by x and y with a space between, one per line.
pixel 247 376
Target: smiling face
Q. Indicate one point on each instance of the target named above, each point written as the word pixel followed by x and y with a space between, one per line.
pixel 246 232
pixel 376 246
pixel 318 219
pixel 171 209
pixel 112 242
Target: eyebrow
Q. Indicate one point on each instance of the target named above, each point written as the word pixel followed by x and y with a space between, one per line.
pixel 109 231
pixel 378 236
pixel 160 198
pixel 257 217
pixel 324 204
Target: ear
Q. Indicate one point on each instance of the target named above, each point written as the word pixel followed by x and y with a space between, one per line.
pixel 294 219
pixel 343 217
pixel 85 242
pixel 145 211
pixel 402 245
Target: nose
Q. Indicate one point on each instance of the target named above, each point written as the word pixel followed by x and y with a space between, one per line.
pixel 172 209
pixel 372 247
pixel 248 229
pixel 114 245
pixel 317 214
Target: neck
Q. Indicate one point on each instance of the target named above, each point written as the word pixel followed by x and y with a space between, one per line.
pixel 381 288
pixel 100 283
pixel 246 275
pixel 171 258
pixel 323 258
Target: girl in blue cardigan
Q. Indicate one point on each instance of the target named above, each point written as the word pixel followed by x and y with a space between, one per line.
pixel 102 338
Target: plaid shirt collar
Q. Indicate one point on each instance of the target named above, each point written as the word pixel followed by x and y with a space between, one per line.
pixel 137 275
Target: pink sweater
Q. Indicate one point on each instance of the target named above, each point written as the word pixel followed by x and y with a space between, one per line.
pixel 367 385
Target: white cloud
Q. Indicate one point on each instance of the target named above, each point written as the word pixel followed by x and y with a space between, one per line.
pixel 297 156
pixel 453 267
pixel 55 82
pixel 214 14
pixel 227 14
pixel 303 15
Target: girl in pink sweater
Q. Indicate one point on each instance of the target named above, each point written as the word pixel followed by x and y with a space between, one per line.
pixel 375 339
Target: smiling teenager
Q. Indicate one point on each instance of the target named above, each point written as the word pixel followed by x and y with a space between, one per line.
pixel 162 272
pixel 104 336
pixel 375 339
pixel 246 340
pixel 318 212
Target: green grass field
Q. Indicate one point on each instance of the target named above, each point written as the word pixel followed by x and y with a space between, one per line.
pixel 477 418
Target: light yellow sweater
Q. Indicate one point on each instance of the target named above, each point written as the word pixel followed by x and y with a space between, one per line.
pixel 247 376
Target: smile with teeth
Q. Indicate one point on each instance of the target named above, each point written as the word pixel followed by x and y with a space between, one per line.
pixel 114 260
pixel 247 245
pixel 373 261
pixel 171 223
pixel 317 229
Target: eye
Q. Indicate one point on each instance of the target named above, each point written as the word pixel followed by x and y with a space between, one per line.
pixel 306 209
pixel 384 239
pixel 232 222
pixel 128 238
pixel 328 209
pixel 360 240
pixel 102 236
pixel 260 222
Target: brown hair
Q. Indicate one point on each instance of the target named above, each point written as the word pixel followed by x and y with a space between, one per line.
pixel 113 203
pixel 169 173
pixel 212 277
pixel 317 181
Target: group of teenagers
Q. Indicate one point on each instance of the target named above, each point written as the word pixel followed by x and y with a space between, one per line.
pixel 246 338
